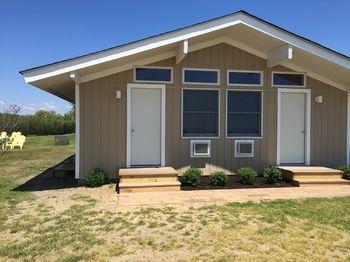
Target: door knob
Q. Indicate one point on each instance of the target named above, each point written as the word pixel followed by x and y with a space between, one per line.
pixel 132 130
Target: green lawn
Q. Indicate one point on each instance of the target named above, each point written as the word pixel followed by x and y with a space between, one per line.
pixel 35 226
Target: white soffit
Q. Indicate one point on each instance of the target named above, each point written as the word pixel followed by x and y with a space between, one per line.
pixel 187 33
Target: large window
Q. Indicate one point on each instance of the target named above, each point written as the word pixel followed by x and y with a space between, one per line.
pixel 244 78
pixel 244 113
pixel 200 113
pixel 153 74
pixel 288 79
pixel 201 76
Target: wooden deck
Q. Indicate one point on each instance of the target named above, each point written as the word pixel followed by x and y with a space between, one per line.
pixel 313 176
pixel 148 179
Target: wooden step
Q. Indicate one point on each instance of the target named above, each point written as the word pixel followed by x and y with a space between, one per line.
pixel 156 171
pixel 145 179
pixel 149 187
pixel 320 182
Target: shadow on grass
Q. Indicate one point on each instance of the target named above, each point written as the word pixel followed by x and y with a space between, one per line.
pixel 48 181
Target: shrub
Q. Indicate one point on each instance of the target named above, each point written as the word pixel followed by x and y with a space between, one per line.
pixel 346 171
pixel 272 174
pixel 191 177
pixel 246 175
pixel 218 178
pixel 97 177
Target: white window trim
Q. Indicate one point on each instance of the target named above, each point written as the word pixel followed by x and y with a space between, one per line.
pixel 245 71
pixel 162 87
pixel 288 73
pixel 236 154
pixel 155 81
pixel 207 155
pixel 200 137
pixel 261 113
pixel 307 119
pixel 200 69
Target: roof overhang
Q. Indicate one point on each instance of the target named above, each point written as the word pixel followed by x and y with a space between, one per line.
pixel 240 29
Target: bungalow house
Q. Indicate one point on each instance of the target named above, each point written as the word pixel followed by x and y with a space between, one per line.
pixel 218 95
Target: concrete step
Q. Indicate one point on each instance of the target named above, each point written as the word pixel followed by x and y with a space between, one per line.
pixel 320 182
pixel 149 187
pixel 317 176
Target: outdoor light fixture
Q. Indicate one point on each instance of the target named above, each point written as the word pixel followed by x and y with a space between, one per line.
pixel 319 99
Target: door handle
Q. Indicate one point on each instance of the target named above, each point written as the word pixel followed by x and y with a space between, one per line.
pixel 303 131
pixel 132 130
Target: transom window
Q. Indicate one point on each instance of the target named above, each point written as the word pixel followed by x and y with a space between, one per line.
pixel 200 113
pixel 153 74
pixel 200 76
pixel 288 79
pixel 244 78
pixel 244 113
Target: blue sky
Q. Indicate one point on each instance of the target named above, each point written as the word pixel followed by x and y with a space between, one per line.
pixel 34 32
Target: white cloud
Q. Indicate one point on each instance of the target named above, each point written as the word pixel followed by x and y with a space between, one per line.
pixel 2 103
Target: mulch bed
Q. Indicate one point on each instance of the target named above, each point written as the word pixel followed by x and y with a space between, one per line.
pixel 233 182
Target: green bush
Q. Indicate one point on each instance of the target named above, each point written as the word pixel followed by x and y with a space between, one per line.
pixel 191 177
pixel 346 171
pixel 246 175
pixel 97 177
pixel 218 178
pixel 272 174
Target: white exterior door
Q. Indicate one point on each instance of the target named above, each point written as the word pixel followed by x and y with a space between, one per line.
pixel 293 127
pixel 145 126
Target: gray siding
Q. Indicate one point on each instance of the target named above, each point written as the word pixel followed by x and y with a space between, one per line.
pixel 103 118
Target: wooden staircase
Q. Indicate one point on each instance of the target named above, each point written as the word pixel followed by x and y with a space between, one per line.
pixel 148 179
pixel 313 176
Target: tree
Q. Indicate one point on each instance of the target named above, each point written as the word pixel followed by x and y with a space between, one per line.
pixel 9 118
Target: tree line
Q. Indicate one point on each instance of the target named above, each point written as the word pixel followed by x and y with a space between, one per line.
pixel 41 123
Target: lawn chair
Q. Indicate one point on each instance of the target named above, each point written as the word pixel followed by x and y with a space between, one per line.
pixel 12 140
pixel 3 136
pixel 18 141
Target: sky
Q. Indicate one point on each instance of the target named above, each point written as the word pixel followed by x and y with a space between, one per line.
pixel 34 33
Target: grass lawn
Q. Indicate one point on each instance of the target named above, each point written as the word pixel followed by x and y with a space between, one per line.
pixel 75 224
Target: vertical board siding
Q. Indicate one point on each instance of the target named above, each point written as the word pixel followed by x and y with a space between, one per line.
pixel 103 118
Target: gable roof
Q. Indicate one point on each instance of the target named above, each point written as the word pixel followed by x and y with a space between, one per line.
pixel 36 74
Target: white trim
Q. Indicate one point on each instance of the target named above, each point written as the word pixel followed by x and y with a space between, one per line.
pixel 128 125
pixel 155 81
pixel 181 35
pixel 279 55
pixel 200 69
pixel 261 117
pixel 77 131
pixel 182 51
pixel 289 73
pixel 237 154
pixel 348 132
pixel 245 71
pixel 307 124
pixel 200 137
pixel 198 155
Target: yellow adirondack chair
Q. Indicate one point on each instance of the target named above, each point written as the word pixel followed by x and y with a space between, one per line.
pixel 3 135
pixel 19 141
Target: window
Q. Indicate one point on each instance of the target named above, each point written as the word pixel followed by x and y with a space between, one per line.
pixel 244 113
pixel 244 148
pixel 288 79
pixel 153 74
pixel 200 148
pixel 244 78
pixel 200 113
pixel 200 76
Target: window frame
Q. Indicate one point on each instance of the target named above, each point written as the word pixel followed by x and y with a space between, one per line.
pixel 182 104
pixel 288 73
pixel 261 113
pixel 193 155
pixel 237 154
pixel 245 71
pixel 155 81
pixel 200 69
